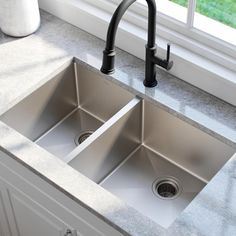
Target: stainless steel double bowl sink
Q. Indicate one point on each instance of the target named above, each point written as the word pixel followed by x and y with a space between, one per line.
pixel 154 161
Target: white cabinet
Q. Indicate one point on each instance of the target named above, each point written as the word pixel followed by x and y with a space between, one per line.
pixel 22 216
pixel 33 219
pixel 29 206
pixel 25 217
pixel 4 223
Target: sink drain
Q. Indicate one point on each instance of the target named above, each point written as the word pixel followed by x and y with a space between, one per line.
pixel 82 137
pixel 166 188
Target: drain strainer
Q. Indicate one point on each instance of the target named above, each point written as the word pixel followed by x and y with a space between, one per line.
pixel 82 137
pixel 166 188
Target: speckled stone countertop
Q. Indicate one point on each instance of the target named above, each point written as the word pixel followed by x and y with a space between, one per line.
pixel 29 62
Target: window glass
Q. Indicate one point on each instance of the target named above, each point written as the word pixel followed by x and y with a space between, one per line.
pixel 183 3
pixel 171 8
pixel 217 18
pixel 175 9
pixel 223 11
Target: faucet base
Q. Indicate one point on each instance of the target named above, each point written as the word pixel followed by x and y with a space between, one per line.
pixel 150 84
pixel 107 72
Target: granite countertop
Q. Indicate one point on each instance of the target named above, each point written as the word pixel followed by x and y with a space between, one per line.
pixel 30 62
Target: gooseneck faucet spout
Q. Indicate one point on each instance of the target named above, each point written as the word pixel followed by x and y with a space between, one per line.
pixel 151 58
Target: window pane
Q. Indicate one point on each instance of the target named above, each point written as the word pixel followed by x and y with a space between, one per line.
pixel 183 3
pixel 223 11
pixel 174 8
pixel 217 18
pixel 171 8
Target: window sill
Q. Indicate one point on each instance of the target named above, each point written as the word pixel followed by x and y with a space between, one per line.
pixel 188 66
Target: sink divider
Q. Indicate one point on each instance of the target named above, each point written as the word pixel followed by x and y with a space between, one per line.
pixel 108 146
pixel 106 126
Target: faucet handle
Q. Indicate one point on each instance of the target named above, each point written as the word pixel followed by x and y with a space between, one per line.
pixel 164 63
pixel 169 63
pixel 168 53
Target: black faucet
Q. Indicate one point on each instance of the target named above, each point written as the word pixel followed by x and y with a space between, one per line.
pixel 151 58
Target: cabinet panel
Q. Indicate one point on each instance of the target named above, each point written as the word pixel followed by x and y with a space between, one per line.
pixel 4 224
pixel 33 219
pixel 7 218
pixel 32 213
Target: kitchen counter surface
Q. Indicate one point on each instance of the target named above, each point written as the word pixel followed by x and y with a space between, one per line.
pixel 5 39
pixel 29 62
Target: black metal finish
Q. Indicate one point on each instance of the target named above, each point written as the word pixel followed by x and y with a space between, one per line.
pixel 151 58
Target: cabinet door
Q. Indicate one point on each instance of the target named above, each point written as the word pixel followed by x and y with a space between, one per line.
pixel 4 223
pixel 33 219
pixel 21 215
pixel 39 215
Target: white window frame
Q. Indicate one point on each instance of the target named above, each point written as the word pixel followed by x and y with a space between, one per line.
pixel 227 55
pixel 205 61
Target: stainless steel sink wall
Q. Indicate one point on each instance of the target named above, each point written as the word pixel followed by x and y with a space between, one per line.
pixel 38 112
pixel 73 87
pixel 98 96
pixel 183 144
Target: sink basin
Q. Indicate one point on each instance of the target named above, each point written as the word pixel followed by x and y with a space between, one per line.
pixel 149 158
pixel 165 161
pixel 65 111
